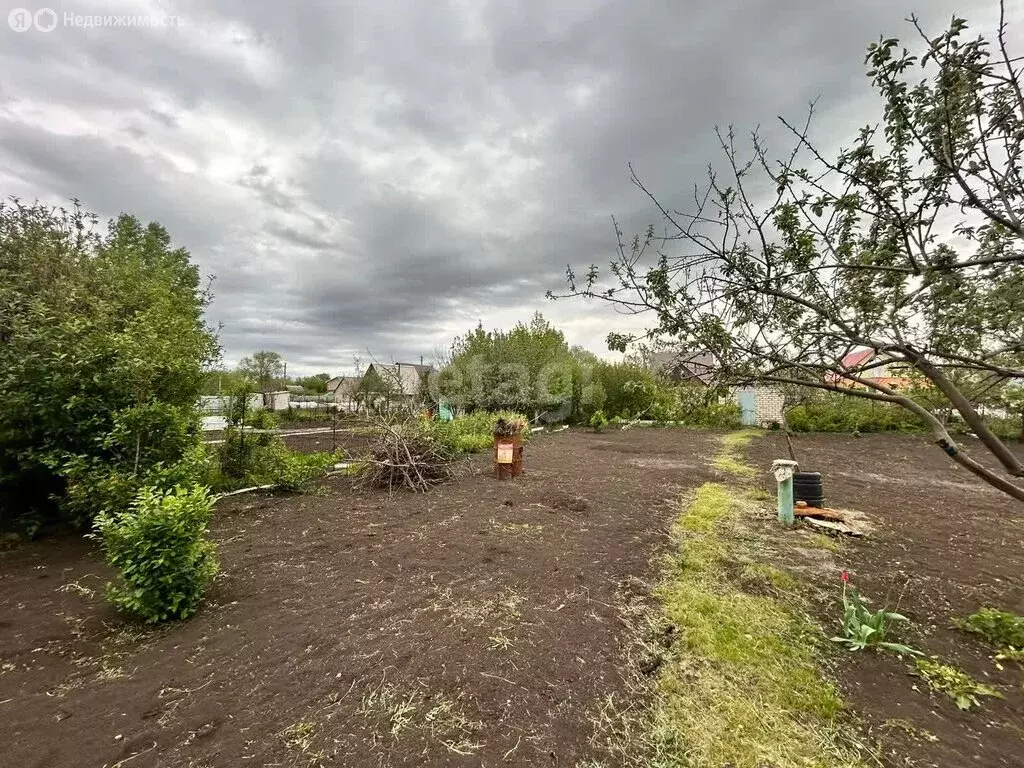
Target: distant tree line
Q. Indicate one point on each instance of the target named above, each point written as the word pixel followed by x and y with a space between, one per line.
pixel 531 368
pixel 263 370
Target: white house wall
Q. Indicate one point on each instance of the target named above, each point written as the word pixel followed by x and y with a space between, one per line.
pixel 768 403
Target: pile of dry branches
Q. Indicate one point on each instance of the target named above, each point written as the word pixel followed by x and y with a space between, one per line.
pixel 405 456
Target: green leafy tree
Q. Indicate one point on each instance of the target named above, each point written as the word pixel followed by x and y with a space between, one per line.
pixel 909 243
pixel 219 381
pixel 316 384
pixel 629 390
pixel 263 368
pixel 102 352
pixel 528 368
pixel 583 356
pixel 1012 399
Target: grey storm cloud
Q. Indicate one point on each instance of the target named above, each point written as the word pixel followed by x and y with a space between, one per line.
pixel 373 178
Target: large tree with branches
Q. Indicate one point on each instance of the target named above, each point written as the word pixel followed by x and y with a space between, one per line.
pixel 909 243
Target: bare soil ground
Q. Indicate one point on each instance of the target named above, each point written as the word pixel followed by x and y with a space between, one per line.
pixel 945 545
pixel 351 443
pixel 474 625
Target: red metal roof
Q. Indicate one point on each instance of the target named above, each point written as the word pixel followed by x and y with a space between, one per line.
pixel 850 362
pixel 855 359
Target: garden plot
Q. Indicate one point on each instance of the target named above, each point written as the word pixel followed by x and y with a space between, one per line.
pixel 510 623
pixel 476 624
pixel 943 545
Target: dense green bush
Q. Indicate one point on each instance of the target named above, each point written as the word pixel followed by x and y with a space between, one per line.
pixel 102 348
pixel 529 367
pixel 839 413
pixel 244 453
pixel 1008 428
pixel 261 418
pixel 247 459
pixel 472 443
pixel 844 413
pixel 293 471
pixel 721 415
pixel 620 389
pixel 472 433
pixel 95 486
pixel 260 457
pixel 161 551
pixel 629 391
pixel 695 405
pixel 598 421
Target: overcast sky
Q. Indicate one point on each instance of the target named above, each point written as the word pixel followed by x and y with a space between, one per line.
pixel 382 175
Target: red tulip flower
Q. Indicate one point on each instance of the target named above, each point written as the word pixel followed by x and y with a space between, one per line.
pixel 846 576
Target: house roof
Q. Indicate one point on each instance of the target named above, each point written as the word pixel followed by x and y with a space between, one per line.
pixel 404 377
pixel 345 386
pixel 856 359
pixel 853 362
pixel 695 365
pixel 420 368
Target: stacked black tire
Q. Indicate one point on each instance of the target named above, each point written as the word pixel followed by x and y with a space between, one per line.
pixel 807 487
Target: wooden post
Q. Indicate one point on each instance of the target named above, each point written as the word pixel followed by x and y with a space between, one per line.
pixel 786 501
pixel 783 471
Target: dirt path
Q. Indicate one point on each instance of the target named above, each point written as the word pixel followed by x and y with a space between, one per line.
pixel 476 625
pixel 949 545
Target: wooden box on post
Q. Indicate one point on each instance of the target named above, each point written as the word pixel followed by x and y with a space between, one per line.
pixel 508 456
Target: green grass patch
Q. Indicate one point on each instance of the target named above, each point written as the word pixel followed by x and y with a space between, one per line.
pixel 763 573
pixel 760 494
pixel 822 541
pixel 729 458
pixel 712 504
pixel 742 686
pixel 701 549
pixel 954 682
pixel 999 629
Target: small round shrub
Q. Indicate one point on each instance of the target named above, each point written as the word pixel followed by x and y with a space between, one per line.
pixel 159 548
pixel 598 421
pixel 262 419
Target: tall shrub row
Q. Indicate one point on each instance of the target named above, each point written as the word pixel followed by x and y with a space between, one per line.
pixel 102 349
